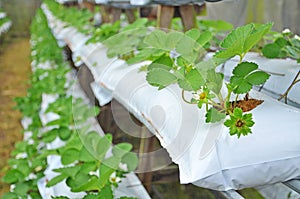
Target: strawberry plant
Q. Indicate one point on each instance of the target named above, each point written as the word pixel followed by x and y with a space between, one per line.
pixel 283 45
pixel 178 58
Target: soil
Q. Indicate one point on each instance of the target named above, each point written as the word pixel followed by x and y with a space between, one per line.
pixel 247 104
pixel 14 73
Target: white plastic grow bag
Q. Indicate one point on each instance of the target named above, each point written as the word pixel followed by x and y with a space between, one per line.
pixel 206 154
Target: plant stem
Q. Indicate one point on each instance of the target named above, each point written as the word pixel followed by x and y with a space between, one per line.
pixel 295 81
pixel 185 100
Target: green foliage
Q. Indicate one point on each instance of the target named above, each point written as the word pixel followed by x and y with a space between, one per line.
pixel 181 62
pixel 245 76
pixel 239 123
pixel 283 45
pixel 84 153
pixel 242 39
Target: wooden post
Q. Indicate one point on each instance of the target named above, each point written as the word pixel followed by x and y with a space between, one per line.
pixel 188 16
pixel 130 15
pixel 116 14
pixel 164 16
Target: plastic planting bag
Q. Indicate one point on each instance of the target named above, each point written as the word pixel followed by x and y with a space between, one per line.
pixel 205 153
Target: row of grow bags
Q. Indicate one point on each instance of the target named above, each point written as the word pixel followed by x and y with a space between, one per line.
pixel 56 159
pixel 206 154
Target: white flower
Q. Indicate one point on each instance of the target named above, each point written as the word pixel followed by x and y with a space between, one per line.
pixel 30 141
pixel 21 155
pixel 285 31
pixel 114 179
pixel 31 176
pixel 297 37
pixel 12 187
pixel 123 166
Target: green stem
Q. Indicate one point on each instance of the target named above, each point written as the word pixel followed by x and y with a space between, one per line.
pixel 183 97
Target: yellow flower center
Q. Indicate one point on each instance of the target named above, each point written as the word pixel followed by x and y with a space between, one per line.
pixel 202 96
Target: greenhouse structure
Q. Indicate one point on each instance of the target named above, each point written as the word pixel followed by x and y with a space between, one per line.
pixel 150 99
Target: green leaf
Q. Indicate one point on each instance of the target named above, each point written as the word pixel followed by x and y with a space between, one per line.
pixel 271 50
pixel 256 36
pixel 156 39
pixel 121 149
pixel 105 172
pixel 59 197
pixel 240 85
pixel 204 38
pixel 87 167
pixel 237 36
pixel 69 156
pixel 164 62
pixel 106 192
pixel 192 82
pixel 84 182
pixel 189 49
pixel 69 171
pixel 245 76
pixel 85 155
pixel 244 68
pixel 57 179
pixel 193 33
pixel 160 77
pixel 64 133
pixel 257 78
pixel 172 39
pixel 91 196
pixel 13 176
pixel 281 42
pixel 214 81
pixel 213 116
pixel 131 160
pixel 10 195
pixel 103 145
pixel 242 39
pixel 50 136
pixel 21 188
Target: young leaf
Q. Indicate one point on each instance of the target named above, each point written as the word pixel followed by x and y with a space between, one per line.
pixel 213 116
pixel 121 149
pixel 131 160
pixel 55 180
pixel 156 39
pixel 164 62
pixel 204 38
pixel 102 147
pixel 69 156
pixel 22 188
pixel 256 36
pixel 257 78
pixel 13 176
pixel 10 195
pixel 160 77
pixel 245 75
pixel 192 82
pixel 84 183
pixel 242 39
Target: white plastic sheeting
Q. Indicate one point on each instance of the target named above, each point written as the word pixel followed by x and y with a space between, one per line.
pixel 5 27
pixel 205 153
